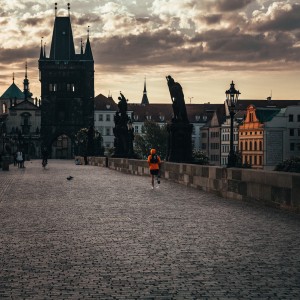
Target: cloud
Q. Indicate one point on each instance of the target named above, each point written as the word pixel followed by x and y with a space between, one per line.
pixel 231 5
pixel 279 16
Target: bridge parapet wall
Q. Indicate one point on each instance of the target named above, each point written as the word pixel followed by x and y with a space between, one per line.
pixel 279 189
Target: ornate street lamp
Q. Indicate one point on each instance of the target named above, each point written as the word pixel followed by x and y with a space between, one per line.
pixel 232 96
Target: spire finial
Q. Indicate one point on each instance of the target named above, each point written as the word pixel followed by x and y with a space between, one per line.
pixel 55 8
pixel 13 77
pixel 69 9
pixel 88 32
pixel 26 69
pixel 145 89
pixel 45 50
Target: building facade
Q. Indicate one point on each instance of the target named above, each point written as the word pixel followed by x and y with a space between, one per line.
pixel 22 120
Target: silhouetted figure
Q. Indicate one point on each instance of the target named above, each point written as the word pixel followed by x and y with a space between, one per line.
pixel 122 104
pixel 177 98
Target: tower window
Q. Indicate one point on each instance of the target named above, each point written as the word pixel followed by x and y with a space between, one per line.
pixel 53 87
pixel 71 87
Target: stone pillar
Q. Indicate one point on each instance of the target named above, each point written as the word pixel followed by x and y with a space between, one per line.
pixel 180 142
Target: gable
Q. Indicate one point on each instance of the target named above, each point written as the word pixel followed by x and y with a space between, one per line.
pixel 25 105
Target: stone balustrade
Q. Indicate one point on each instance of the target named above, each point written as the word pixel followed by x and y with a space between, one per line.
pixel 278 189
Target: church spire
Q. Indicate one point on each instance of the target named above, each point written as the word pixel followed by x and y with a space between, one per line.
pixel 145 100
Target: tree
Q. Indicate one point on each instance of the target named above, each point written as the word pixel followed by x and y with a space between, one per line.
pixel 82 142
pixel 200 157
pixel 154 136
pixel 289 165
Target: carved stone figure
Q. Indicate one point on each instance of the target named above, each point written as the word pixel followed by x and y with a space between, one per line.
pixel 177 98
pixel 180 130
pixel 123 143
pixel 122 104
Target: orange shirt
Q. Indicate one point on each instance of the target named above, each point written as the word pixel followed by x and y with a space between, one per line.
pixel 153 166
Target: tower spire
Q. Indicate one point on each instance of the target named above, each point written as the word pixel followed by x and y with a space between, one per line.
pixel 55 8
pixel 26 84
pixel 69 9
pixel 88 50
pixel 13 77
pixel 26 69
pixel 81 47
pixel 145 100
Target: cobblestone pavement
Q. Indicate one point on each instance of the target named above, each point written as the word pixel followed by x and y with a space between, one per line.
pixel 107 235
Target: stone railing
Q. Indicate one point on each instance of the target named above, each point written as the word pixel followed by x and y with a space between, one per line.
pixel 278 189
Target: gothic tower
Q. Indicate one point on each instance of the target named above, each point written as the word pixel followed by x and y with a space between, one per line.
pixel 67 89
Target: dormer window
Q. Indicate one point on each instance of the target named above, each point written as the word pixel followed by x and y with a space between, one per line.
pixel 107 106
pixel 148 118
pixel 204 118
pixel 162 118
pixel 135 117
pixel 197 118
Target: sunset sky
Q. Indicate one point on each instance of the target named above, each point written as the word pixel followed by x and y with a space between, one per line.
pixel 203 44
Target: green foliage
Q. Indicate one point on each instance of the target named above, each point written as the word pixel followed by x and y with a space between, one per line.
pixel 154 137
pixel 200 157
pixel 82 142
pixel 289 165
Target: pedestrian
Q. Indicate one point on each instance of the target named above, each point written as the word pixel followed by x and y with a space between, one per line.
pixel 154 167
pixel 20 159
pixel 15 158
pixel 44 157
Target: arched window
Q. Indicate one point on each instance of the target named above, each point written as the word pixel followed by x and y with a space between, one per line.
pixel 246 145
pixel 260 146
pixel 250 144
pixel 255 145
pixel 4 108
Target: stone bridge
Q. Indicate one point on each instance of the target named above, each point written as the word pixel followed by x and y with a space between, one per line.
pixel 107 235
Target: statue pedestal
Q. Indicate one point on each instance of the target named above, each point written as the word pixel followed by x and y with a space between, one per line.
pixel 180 142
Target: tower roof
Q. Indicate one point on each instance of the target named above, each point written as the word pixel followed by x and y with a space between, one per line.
pixel 62 45
pixel 13 92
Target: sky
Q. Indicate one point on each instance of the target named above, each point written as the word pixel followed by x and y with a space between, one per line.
pixel 203 45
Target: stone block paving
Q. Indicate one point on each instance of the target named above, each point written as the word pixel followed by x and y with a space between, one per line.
pixel 107 235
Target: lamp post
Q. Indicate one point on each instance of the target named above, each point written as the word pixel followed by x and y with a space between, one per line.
pixel 232 96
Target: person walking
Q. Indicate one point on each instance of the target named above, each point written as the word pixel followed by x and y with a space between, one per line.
pixel 44 157
pixel 154 162
pixel 20 159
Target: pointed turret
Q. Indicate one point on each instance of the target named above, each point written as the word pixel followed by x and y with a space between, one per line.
pixel 88 50
pixel 42 51
pixel 145 100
